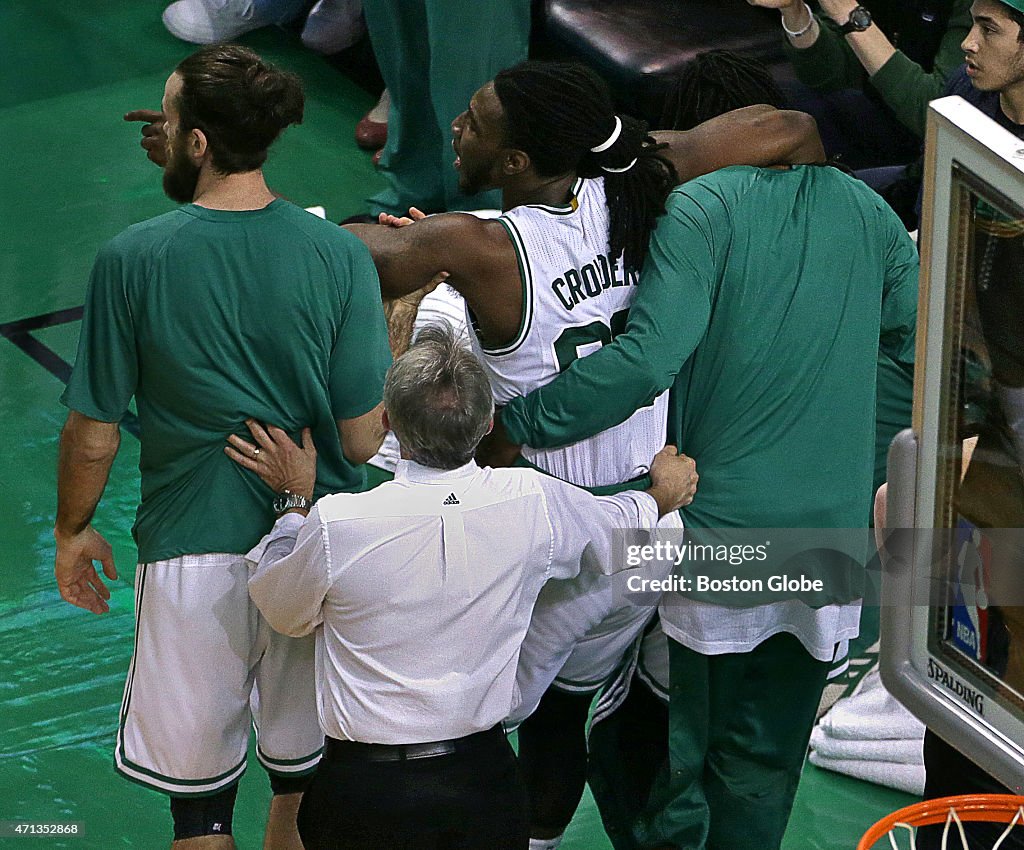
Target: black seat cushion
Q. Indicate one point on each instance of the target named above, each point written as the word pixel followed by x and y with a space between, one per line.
pixel 639 44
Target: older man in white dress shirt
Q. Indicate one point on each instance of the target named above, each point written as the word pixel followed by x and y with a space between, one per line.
pixel 422 590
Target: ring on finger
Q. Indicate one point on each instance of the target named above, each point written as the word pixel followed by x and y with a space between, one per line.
pixel 256 452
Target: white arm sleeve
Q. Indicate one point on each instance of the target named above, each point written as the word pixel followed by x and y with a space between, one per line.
pixel 289 574
pixel 584 526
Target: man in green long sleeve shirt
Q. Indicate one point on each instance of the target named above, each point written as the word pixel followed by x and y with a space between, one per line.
pixel 763 303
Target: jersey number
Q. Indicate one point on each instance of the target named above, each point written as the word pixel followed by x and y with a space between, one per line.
pixel 569 342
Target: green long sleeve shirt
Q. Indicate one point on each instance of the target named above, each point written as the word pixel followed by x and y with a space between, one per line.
pixel 830 64
pixel 763 304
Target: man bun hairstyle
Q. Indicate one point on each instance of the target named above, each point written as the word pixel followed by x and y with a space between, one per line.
pixel 240 102
pixel 561 115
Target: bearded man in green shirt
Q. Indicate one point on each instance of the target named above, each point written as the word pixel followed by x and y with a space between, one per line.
pixel 236 304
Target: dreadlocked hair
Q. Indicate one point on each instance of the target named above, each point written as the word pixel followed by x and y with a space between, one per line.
pixel 716 82
pixel 556 113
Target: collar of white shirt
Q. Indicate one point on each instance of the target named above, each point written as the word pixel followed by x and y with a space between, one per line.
pixel 409 470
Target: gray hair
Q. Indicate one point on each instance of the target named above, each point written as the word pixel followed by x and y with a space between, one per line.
pixel 438 399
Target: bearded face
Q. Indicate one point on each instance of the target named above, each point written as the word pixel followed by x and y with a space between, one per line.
pixel 181 174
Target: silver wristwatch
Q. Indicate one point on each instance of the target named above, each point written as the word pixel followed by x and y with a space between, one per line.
pixel 286 500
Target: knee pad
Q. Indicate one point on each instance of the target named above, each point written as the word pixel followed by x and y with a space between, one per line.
pixel 289 784
pixel 196 816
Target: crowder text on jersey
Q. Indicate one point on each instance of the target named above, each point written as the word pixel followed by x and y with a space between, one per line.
pixel 601 273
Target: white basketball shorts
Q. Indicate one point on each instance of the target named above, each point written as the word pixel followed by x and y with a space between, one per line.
pixel 207 667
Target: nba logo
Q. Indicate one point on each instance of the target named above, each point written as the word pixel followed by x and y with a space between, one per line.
pixel 969 620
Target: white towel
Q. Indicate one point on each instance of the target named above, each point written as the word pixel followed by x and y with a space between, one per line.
pixel 871 713
pixel 903 777
pixel 900 751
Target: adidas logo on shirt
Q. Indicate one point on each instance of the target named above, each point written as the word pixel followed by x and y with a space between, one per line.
pixel 451 500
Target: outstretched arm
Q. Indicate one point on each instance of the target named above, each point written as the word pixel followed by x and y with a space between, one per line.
pixel 588 529
pixel 407 258
pixel 827 61
pixel 754 135
pixel 477 255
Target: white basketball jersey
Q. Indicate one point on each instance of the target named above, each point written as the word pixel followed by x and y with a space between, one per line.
pixel 575 299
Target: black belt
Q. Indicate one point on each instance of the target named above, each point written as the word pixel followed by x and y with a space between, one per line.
pixel 337 750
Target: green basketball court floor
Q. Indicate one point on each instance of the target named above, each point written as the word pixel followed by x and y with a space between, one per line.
pixel 71 177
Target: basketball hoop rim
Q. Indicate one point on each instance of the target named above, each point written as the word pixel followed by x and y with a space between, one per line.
pixel 993 808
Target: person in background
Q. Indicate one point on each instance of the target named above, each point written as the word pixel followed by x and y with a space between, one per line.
pixel 868 72
pixel 329 27
pixel 716 82
pixel 992 77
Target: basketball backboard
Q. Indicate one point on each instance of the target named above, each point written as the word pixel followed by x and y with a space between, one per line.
pixel 953 589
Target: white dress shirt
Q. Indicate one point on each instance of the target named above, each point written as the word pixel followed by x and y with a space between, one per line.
pixel 424 589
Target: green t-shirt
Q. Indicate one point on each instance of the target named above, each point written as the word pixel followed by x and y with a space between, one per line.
pixel 763 303
pixel 208 317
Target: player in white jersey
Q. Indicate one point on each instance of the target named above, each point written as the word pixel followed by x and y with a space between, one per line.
pixel 550 281
pixel 576 297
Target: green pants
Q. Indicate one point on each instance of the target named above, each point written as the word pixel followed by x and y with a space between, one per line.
pixel 433 55
pixel 738 731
